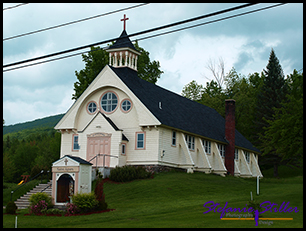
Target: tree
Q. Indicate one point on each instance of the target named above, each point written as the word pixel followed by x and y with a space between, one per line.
pixel 193 90
pixel 239 88
pixel 214 97
pixel 147 70
pixel 285 131
pixel 271 95
pixel 218 72
pixel 96 60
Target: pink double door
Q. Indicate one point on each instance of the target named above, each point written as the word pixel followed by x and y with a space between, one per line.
pixel 98 145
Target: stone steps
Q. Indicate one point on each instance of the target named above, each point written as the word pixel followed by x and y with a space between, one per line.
pixel 23 202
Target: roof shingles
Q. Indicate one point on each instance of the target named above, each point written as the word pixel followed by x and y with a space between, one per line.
pixel 179 112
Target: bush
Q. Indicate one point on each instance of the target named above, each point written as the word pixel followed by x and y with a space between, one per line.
pixel 72 209
pixel 86 202
pixel 41 196
pixel 255 205
pixel 52 212
pixel 38 208
pixel 11 208
pixel 102 205
pixel 128 173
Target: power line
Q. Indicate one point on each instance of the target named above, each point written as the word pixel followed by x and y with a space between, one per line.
pixel 217 20
pixel 135 34
pixel 11 7
pixel 152 36
pixel 76 21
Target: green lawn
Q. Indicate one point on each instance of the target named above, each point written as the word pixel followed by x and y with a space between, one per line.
pixel 176 199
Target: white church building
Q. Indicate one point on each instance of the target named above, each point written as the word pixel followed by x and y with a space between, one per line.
pixel 121 119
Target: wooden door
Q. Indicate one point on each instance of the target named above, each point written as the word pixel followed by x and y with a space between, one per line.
pixel 64 185
pixel 98 145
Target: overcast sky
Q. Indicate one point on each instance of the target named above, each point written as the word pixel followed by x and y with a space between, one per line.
pixel 244 42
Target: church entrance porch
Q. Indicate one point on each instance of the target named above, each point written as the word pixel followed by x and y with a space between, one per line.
pixel 70 175
pixel 65 188
pixel 98 149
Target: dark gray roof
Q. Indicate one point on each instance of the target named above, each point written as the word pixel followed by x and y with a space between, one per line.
pixel 78 159
pixel 179 112
pixel 123 41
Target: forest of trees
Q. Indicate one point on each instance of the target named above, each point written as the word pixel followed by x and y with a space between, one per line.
pixel 269 110
pixel 31 155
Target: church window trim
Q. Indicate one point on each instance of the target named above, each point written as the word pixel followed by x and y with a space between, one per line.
pixel 140 141
pixel 236 154
pixel 75 142
pixel 247 156
pixel 109 102
pixel 207 146
pixel 91 107
pixel 126 105
pixel 221 148
pixel 123 149
pixel 173 143
pixel 190 140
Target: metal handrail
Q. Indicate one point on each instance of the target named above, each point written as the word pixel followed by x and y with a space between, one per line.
pixel 47 187
pixel 41 172
pixel 103 158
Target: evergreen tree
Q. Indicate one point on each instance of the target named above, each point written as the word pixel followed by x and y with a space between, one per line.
pixel 285 133
pixel 271 95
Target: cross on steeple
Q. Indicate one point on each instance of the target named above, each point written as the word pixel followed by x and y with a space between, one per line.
pixel 124 19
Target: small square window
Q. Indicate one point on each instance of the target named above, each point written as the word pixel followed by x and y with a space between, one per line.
pixel 173 138
pixel 123 148
pixel 236 153
pixel 247 156
pixel 221 148
pixel 190 141
pixel 207 146
pixel 140 140
pixel 76 145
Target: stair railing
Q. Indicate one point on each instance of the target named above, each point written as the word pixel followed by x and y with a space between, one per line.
pixel 47 187
pixel 41 172
pixel 96 157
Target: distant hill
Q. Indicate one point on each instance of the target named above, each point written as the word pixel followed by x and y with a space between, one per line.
pixel 47 122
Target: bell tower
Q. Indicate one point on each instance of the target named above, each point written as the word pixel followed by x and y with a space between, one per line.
pixel 123 53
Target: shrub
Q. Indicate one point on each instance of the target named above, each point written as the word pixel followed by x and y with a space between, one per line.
pixel 86 202
pixel 102 205
pixel 255 205
pixel 11 208
pixel 52 211
pixel 72 209
pixel 41 196
pixel 38 208
pixel 128 173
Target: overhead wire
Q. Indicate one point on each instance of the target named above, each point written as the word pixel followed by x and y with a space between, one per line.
pixel 131 35
pixel 11 7
pixel 73 22
pixel 151 36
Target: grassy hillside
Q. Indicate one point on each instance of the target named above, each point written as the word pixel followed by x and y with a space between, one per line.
pixel 176 199
pixel 48 122
pixel 24 130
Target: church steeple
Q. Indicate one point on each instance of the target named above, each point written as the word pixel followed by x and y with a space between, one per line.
pixel 123 53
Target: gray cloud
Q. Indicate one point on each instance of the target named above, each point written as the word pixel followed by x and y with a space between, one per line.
pixel 51 84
